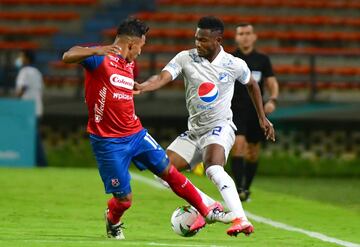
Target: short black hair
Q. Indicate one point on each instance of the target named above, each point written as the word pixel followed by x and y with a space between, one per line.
pixel 29 55
pixel 246 24
pixel 212 23
pixel 132 27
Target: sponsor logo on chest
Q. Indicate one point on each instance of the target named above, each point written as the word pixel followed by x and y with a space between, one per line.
pixel 208 92
pixel 122 81
pixel 122 96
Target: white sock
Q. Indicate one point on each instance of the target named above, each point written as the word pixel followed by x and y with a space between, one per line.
pixel 208 201
pixel 227 189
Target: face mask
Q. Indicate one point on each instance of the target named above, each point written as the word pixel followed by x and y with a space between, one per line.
pixel 18 63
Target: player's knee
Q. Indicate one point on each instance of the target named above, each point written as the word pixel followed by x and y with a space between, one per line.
pixel 238 149
pixel 252 153
pixel 177 161
pixel 211 160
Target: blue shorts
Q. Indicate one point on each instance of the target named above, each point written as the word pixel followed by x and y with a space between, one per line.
pixel 114 156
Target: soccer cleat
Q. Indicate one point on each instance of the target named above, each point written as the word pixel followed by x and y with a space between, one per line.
pixel 198 224
pixel 215 215
pixel 114 230
pixel 216 208
pixel 240 226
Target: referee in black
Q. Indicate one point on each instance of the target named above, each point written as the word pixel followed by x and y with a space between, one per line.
pixel 245 153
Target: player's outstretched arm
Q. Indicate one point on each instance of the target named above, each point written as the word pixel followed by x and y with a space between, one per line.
pixel 77 54
pixel 255 95
pixel 154 82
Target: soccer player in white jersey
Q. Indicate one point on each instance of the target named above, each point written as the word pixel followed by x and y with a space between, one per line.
pixel 209 75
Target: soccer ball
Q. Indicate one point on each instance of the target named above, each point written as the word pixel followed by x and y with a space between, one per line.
pixel 181 220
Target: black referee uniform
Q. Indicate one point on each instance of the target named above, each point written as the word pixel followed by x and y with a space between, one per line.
pixel 245 116
pixel 246 119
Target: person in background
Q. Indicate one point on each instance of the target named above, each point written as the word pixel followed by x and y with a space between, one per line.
pixel 249 135
pixel 29 86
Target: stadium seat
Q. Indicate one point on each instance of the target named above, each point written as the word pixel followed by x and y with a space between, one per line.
pixel 62 65
pixel 37 31
pixel 18 45
pixel 235 19
pixel 311 50
pixel 281 35
pixel 39 16
pixel 304 69
pixel 61 81
pixel 270 50
pixel 330 4
pixel 49 2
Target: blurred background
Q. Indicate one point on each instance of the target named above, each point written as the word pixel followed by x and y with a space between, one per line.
pixel 314 47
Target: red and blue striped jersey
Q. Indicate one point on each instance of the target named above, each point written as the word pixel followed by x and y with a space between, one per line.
pixel 109 82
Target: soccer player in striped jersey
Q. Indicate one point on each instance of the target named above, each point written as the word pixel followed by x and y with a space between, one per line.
pixel 116 134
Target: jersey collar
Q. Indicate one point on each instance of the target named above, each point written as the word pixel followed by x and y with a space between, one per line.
pixel 219 56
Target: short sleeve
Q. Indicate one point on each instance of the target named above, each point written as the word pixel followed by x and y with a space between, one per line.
pixel 175 66
pixel 243 72
pixel 92 62
pixel 21 79
pixel 268 71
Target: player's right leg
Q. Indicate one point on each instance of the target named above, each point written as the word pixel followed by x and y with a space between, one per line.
pixel 113 164
pixel 149 154
pixel 184 154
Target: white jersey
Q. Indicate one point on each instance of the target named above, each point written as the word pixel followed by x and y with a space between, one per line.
pixel 209 86
pixel 31 79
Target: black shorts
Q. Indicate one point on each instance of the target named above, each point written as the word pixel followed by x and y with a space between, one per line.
pixel 247 123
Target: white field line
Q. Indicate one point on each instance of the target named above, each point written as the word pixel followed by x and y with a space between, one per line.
pixel 311 234
pixel 267 221
pixel 119 242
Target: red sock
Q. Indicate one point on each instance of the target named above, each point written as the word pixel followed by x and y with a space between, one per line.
pixel 185 189
pixel 117 209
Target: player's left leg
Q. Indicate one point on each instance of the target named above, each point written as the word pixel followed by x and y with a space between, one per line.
pixel 217 145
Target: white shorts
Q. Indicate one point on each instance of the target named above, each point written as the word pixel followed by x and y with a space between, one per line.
pixel 191 146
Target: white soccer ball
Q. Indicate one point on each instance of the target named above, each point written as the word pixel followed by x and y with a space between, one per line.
pixel 181 220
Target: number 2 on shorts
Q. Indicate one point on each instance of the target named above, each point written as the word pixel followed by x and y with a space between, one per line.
pixel 216 131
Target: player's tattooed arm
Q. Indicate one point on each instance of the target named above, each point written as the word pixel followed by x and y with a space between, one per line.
pixel 77 54
pixel 154 82
pixel 255 95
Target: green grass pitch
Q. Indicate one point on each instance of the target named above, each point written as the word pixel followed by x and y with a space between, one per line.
pixel 64 207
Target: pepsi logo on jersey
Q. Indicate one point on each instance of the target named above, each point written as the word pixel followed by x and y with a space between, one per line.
pixel 208 92
pixel 122 81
